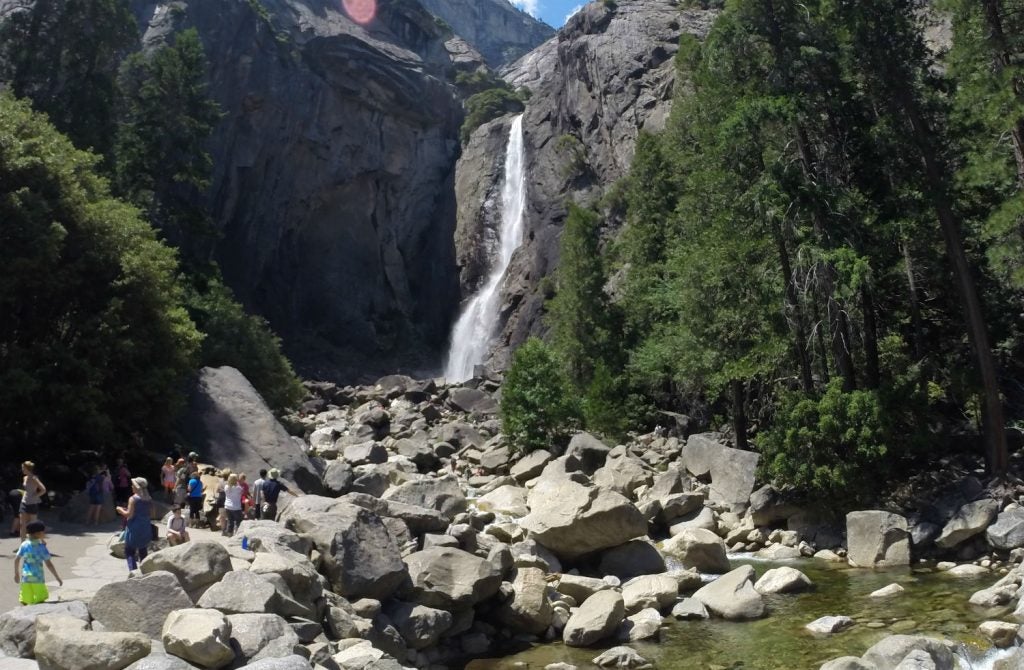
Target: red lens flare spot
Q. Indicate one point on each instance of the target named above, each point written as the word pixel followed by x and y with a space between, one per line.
pixel 360 11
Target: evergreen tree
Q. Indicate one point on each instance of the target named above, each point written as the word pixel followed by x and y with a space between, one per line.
pixel 537 407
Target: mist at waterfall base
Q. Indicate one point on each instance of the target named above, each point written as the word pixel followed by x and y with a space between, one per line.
pixel 477 324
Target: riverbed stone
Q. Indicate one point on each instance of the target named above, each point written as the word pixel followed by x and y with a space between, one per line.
pixel 887 591
pixel 579 587
pixel 1002 633
pixel 199 636
pixel 732 596
pixel 877 539
pixel 827 625
pixel 650 591
pixel 621 657
pixel 632 559
pixel 690 609
pixel 260 635
pixel 969 520
pixel 139 605
pixel 1008 531
pixel 596 619
pixel 968 571
pixel 572 519
pixel 783 580
pixel 847 663
pixel 18 625
pixel 528 610
pixel 698 548
pixel 530 465
pixel 643 625
pixel 63 643
pixel 449 578
pixel 891 651
pixel 779 552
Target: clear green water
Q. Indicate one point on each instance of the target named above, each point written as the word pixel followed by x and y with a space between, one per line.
pixel 933 604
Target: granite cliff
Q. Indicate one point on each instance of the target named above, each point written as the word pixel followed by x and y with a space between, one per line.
pixel 499 31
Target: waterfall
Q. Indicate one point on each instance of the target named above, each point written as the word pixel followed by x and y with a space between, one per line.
pixel 473 332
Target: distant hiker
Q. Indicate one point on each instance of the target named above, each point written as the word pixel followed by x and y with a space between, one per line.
pixel 28 566
pixel 177 528
pixel 94 489
pixel 246 494
pixel 220 498
pixel 272 489
pixel 232 505
pixel 168 477
pixel 195 500
pixel 31 498
pixel 257 495
pixel 137 532
pixel 122 482
pixel 181 477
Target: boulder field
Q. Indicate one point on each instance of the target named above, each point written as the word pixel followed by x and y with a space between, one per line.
pixel 426 539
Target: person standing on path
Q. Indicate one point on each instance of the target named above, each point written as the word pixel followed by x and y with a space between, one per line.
pixel 28 566
pixel 257 495
pixel 95 488
pixel 122 482
pixel 272 490
pixel 168 478
pixel 195 500
pixel 232 505
pixel 138 532
pixel 31 499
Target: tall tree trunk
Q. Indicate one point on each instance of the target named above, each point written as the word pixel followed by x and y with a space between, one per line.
pixel 797 320
pixel 1002 58
pixel 739 414
pixel 867 301
pixel 917 337
pixel 995 433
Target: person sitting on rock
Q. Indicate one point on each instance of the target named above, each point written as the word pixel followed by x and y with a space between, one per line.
pixel 177 528
pixel 272 489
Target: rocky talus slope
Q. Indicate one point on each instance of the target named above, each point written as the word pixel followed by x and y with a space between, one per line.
pixel 606 76
pixel 432 541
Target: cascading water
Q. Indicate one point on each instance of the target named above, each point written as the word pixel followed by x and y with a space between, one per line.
pixel 473 332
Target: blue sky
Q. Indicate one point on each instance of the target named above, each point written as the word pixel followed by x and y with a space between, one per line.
pixel 552 12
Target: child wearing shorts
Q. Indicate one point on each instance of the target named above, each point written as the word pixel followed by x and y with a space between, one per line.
pixel 28 565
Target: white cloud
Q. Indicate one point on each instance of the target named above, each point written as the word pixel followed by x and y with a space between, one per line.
pixel 531 7
pixel 572 12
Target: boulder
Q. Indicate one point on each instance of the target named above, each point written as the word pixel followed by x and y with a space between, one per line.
pixel 698 548
pixel 139 605
pixel 643 625
pixel 365 453
pixel 1008 531
pixel 571 519
pixel 529 609
pixel 259 635
pixel 621 657
pixel 507 500
pixel 159 661
pixel 690 609
pixel 886 591
pixel 701 517
pixel 588 451
pixel 196 564
pixel 783 580
pixel 877 539
pixel 241 592
pixel 358 555
pixel 420 626
pixel 675 506
pixel 768 506
pixel 827 625
pixel 472 401
pixel 448 578
pixel 1002 633
pixel 967 571
pixel 338 478
pixel 270 536
pixel 228 422
pixel 292 662
pixel 442 494
pixel 634 558
pixel 298 573
pixel 200 636
pixel 650 591
pixel 623 475
pixel 63 643
pixel 970 520
pixel 595 619
pixel 892 650
pixel 418 519
pixel 531 465
pixel 732 596
pixel 580 588
pixel 18 626
pixel 732 471
pixel 778 552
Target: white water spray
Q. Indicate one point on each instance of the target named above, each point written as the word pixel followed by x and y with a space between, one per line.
pixel 473 332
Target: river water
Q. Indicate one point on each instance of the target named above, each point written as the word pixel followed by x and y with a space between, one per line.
pixel 933 604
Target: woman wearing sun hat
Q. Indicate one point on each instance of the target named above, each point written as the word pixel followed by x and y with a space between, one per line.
pixel 137 532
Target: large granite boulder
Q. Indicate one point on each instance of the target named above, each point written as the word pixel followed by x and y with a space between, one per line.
pixel 877 539
pixel 530 465
pixel 732 471
pixel 698 548
pixel 891 651
pixel 472 401
pixel 257 635
pixel 442 494
pixel 18 626
pixel 196 564
pixel 768 506
pixel 298 573
pixel 200 636
pixel 623 475
pixel 529 609
pixel 783 580
pixel 357 553
pixel 139 605
pixel 650 591
pixel 595 619
pixel 241 592
pixel 970 520
pixel 1008 531
pixel 270 536
pixel 228 422
pixel 420 626
pixel 732 596
pixel 63 643
pixel 507 500
pixel 634 558
pixel 572 519
pixel 589 451
pixel 449 578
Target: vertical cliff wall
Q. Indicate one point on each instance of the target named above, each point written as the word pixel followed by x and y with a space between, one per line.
pixel 499 31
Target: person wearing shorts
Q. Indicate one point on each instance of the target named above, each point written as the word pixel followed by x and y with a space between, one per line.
pixel 28 566
pixel 31 499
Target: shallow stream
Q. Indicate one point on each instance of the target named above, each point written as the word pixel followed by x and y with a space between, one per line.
pixel 933 604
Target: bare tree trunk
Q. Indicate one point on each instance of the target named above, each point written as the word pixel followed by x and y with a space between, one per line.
pixel 799 324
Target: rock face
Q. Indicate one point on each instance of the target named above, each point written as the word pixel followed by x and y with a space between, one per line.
pixel 571 519
pixel 607 75
pixel 229 423
pixel 498 30
pixel 356 130
pixel 877 539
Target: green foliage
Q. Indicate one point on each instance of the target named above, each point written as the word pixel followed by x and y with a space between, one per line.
pixel 834 447
pixel 573 154
pixel 64 55
pixel 487 106
pixel 537 407
pixel 243 341
pixel 606 406
pixel 94 341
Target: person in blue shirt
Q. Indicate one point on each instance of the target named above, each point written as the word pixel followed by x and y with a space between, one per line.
pixel 138 530
pixel 28 565
pixel 195 501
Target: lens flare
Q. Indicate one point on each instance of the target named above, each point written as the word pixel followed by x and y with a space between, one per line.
pixel 360 11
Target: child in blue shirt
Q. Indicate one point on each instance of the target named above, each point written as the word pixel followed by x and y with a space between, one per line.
pixel 28 566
